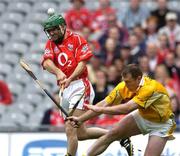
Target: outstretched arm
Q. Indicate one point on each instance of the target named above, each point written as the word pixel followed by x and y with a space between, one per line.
pixel 88 115
pixel 114 110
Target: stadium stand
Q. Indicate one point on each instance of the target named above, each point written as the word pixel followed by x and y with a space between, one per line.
pixel 21 35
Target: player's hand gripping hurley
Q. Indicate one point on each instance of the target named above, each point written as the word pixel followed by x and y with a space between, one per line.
pixel 26 67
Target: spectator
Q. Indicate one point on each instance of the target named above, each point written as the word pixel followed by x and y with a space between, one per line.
pixel 177 54
pixel 100 15
pixel 87 33
pixel 151 29
pixel 113 33
pixel 152 54
pixel 123 31
pixel 140 33
pixel 174 72
pixel 78 16
pixel 171 29
pixel 161 74
pixel 6 97
pixel 144 66
pixel 52 119
pixel 94 64
pixel 134 14
pixel 120 35
pixel 160 13
pixel 170 64
pixel 109 52
pixel 112 75
pixel 125 54
pixel 101 88
pixel 163 45
pixel 136 50
pixel 119 64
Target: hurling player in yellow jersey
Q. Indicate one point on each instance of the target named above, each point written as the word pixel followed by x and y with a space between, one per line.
pixel 148 106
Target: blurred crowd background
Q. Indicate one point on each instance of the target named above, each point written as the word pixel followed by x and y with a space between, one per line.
pixel 119 32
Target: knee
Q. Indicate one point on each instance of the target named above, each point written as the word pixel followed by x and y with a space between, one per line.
pixel 82 135
pixel 70 131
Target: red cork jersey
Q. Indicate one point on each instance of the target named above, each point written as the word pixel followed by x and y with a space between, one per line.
pixel 69 53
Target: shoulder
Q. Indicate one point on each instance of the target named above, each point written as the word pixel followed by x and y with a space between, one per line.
pixel 121 85
pixel 49 46
pixel 78 38
pixel 49 42
pixel 149 85
pixel 69 33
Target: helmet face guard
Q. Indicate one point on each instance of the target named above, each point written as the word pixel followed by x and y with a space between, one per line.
pixel 55 22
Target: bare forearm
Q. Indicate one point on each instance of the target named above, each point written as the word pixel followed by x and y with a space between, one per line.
pixel 79 69
pixel 120 109
pixel 90 114
pixel 51 67
pixel 115 110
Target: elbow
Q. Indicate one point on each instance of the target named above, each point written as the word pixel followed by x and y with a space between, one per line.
pixel 46 64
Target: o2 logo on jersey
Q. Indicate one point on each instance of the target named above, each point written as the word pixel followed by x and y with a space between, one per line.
pixel 63 59
pixel 45 148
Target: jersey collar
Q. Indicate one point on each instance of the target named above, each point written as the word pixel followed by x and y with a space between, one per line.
pixel 141 83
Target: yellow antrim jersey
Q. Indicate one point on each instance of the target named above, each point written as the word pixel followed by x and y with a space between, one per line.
pixel 151 96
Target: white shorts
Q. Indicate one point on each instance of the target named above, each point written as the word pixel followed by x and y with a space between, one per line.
pixel 74 92
pixel 158 129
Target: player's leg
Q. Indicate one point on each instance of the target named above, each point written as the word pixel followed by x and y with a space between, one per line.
pixel 82 133
pixel 79 88
pixel 127 127
pixel 159 134
pixel 155 145
pixel 72 139
pixel 90 133
pixel 71 133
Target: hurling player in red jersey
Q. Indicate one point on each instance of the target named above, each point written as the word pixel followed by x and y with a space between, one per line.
pixel 66 55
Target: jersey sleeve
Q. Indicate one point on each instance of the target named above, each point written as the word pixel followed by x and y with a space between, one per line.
pixel 83 51
pixel 48 53
pixel 114 96
pixel 146 96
